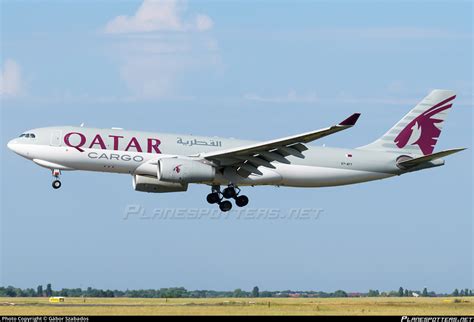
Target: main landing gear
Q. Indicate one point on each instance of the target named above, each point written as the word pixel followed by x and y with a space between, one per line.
pixel 231 192
pixel 56 183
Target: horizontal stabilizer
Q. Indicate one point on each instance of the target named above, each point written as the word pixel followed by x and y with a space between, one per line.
pixel 430 157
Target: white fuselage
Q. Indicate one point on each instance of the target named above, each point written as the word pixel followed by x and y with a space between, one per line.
pixel 136 153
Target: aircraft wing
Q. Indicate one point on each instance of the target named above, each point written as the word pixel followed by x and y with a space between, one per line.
pixel 246 159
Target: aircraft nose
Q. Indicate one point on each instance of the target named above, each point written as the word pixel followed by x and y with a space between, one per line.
pixel 19 148
pixel 11 145
pixel 14 146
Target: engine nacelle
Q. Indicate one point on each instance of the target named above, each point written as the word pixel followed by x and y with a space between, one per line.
pixel 149 184
pixel 184 170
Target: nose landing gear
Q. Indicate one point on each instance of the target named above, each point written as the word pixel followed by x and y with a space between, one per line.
pixel 56 183
pixel 232 191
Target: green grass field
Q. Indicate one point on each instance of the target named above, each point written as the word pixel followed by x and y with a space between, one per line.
pixel 239 306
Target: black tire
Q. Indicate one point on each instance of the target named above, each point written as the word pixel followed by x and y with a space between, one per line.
pixel 229 192
pixel 242 201
pixel 225 206
pixel 213 198
pixel 56 184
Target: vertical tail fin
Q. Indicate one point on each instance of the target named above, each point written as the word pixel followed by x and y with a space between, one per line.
pixel 419 130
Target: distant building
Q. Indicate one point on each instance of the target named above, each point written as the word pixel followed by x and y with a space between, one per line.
pixel 415 294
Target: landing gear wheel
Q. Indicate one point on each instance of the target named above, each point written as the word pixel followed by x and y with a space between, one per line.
pixel 241 201
pixel 56 184
pixel 229 192
pixel 213 197
pixel 225 206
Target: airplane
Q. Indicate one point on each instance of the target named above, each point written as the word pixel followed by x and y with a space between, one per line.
pixel 160 162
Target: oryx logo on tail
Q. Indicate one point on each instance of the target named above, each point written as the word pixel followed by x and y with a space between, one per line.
pixel 424 129
pixel 418 131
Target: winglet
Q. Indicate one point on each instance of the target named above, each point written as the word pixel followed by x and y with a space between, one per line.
pixel 351 120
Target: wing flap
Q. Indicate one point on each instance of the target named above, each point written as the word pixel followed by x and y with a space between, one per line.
pixel 290 151
pixel 298 146
pixel 274 156
pixel 250 168
pixel 257 161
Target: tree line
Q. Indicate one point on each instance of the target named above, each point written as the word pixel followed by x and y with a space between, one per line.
pixel 181 292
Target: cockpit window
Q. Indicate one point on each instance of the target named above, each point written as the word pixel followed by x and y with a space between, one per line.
pixel 28 135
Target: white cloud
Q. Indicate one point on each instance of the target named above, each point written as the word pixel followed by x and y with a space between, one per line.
pixel 389 33
pixel 290 97
pixel 159 46
pixel 341 98
pixel 10 79
pixel 203 22
pixel 148 78
pixel 158 15
pixel 411 33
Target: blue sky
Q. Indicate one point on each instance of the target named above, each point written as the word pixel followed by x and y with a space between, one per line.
pixel 255 70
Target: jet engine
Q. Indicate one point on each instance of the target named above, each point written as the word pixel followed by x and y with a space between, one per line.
pixel 180 170
pixel 150 184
